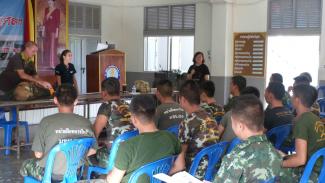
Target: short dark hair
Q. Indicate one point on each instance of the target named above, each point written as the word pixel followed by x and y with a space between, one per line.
pixel 277 90
pixel 165 88
pixel 144 107
pixel 301 80
pixel 66 94
pixel 208 88
pixel 276 77
pixel 250 90
pixel 239 81
pixel 196 54
pixel 307 75
pixel 306 93
pixel 249 109
pixel 190 91
pixel 112 86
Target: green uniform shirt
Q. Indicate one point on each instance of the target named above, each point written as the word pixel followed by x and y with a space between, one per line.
pixel 168 115
pixel 228 133
pixel 253 160
pixel 59 128
pixel 118 115
pixel 143 149
pixel 213 109
pixel 309 127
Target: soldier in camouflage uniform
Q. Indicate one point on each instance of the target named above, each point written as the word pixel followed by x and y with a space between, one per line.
pixel 208 102
pixel 254 159
pixel 197 131
pixel 114 114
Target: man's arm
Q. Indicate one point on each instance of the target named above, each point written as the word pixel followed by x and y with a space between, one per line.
pixel 99 124
pixel 179 163
pixel 115 176
pixel 298 159
pixel 24 76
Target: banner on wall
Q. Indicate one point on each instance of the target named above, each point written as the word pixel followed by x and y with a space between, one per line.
pixel 11 29
pixel 51 19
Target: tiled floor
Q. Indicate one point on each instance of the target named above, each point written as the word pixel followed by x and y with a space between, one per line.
pixel 9 165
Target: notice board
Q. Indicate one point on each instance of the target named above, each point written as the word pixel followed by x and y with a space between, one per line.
pixel 249 54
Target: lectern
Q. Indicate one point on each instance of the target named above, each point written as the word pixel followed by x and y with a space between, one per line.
pixel 103 64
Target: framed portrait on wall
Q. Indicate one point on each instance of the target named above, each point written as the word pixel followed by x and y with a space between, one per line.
pixel 51 33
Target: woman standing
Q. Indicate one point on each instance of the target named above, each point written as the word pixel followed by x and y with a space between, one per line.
pixel 51 23
pixel 65 71
pixel 198 71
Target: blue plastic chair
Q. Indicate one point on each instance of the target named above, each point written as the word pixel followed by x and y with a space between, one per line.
pixel 160 166
pixel 321 103
pixel 309 167
pixel 214 153
pixel 8 126
pixel 74 151
pixel 112 155
pixel 233 144
pixel 272 180
pixel 218 119
pixel 280 133
pixel 174 130
pixel 321 92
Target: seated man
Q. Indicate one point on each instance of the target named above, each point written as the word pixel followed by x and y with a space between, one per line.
pixel 168 113
pixel 114 114
pixel 237 84
pixel 56 129
pixel 149 146
pixel 254 159
pixel 276 114
pixel 225 128
pixel 196 132
pixel 208 102
pixel 21 72
pixel 308 131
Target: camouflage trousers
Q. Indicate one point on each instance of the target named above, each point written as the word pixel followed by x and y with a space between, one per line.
pixel 200 171
pixel 101 159
pixel 31 168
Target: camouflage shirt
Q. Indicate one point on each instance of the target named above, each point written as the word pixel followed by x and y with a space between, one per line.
pixel 253 160
pixel 213 109
pixel 198 130
pixel 118 115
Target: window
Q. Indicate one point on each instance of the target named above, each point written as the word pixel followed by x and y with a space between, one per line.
pixel 294 17
pixel 168 53
pixel 84 19
pixel 293 44
pixel 169 37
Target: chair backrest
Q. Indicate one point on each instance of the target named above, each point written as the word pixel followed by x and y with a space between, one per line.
pixel 280 133
pixel 272 180
pixel 174 130
pixel 74 152
pixel 309 167
pixel 2 115
pixel 321 103
pixel 233 144
pixel 321 92
pixel 123 137
pixel 214 153
pixel 160 166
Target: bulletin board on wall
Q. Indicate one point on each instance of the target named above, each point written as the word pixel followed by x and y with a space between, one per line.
pixel 249 54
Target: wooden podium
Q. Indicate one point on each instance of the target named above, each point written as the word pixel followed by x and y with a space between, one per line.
pixel 103 64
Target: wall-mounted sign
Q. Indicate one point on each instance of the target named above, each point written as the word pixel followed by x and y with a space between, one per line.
pixel 249 54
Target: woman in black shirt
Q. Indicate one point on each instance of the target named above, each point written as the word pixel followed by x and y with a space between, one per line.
pixel 198 71
pixel 65 71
